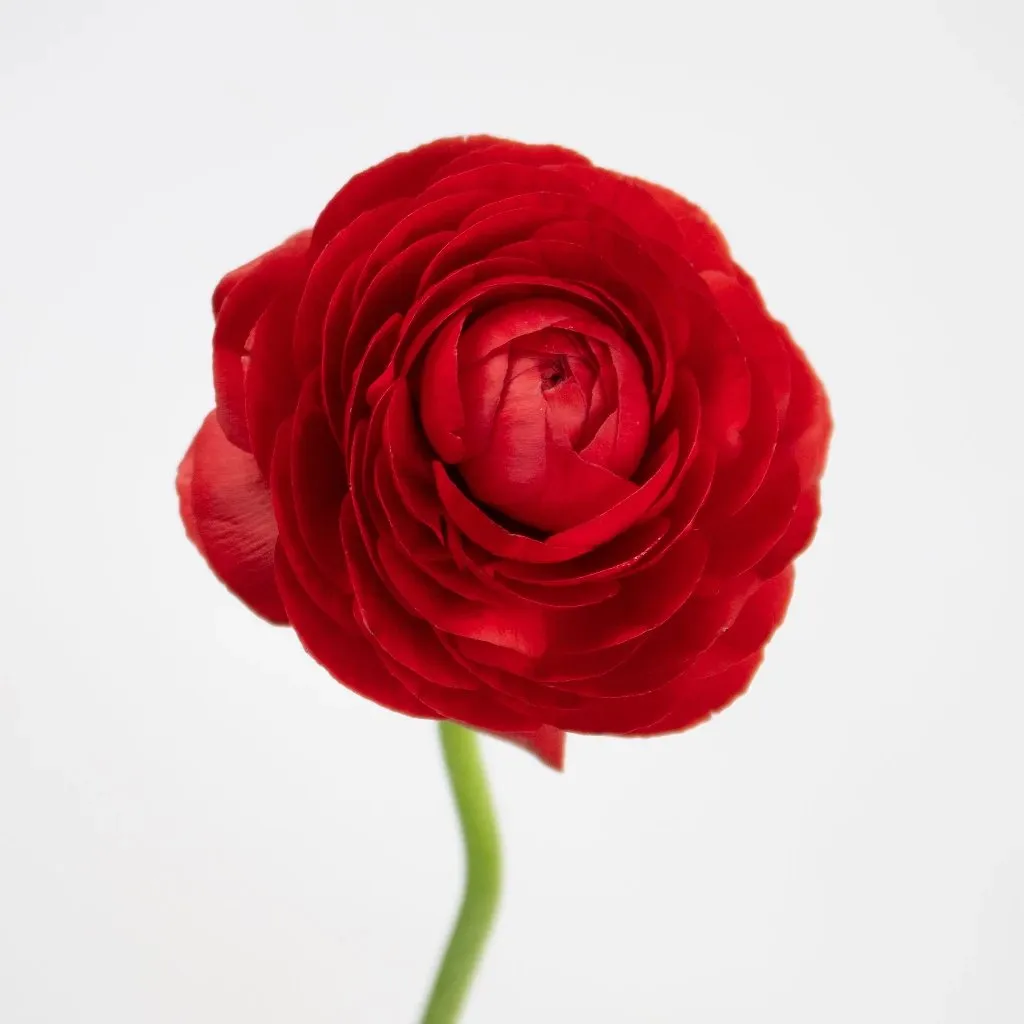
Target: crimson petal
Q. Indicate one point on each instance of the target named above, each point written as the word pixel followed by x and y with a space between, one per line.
pixel 343 650
pixel 227 513
pixel 547 742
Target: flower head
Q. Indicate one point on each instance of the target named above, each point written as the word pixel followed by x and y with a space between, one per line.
pixel 510 439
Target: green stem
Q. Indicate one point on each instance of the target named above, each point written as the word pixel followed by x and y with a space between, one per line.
pixel 483 874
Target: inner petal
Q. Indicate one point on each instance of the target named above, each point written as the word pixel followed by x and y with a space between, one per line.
pixel 535 404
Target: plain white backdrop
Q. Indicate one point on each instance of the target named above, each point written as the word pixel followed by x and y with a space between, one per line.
pixel 197 825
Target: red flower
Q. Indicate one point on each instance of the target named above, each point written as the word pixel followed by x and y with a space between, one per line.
pixel 510 439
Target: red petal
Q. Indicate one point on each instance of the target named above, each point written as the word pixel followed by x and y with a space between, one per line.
pixel 561 252
pixel 741 541
pixel 404 174
pixel 227 512
pixel 723 378
pixel 808 424
pixel 555 489
pixel 324 576
pixel 520 629
pixel 342 649
pixel 478 710
pixel 392 290
pixel 796 538
pixel 614 559
pixel 441 410
pixel 739 478
pixel 405 637
pixel 698 699
pixel 336 264
pixel 702 243
pixel 484 284
pixel 752 628
pixel 646 601
pixel 762 339
pixel 240 301
pixel 559 547
pixel 616 716
pixel 507 151
pixel 295 243
pixel 629 200
pixel 547 742
pixel 423 218
pixel 371 381
pixel 317 481
pixel 271 387
pixel 409 459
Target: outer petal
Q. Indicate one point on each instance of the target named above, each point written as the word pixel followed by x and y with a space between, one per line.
pixel 225 506
pixel 239 301
pixel 547 742
pixel 702 698
pixel 703 244
pixel 404 174
pixel 271 386
pixel 343 649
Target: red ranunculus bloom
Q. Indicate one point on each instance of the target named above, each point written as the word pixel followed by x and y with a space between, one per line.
pixel 510 439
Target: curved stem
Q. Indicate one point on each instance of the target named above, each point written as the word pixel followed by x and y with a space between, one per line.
pixel 483 874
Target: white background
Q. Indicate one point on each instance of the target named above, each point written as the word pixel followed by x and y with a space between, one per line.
pixel 198 826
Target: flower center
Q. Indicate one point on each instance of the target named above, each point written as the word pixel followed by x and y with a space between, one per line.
pixel 551 415
pixel 553 372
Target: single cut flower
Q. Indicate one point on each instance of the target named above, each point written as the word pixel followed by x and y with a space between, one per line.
pixel 510 440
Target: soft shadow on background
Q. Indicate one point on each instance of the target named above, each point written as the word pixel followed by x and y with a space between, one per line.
pixel 198 825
